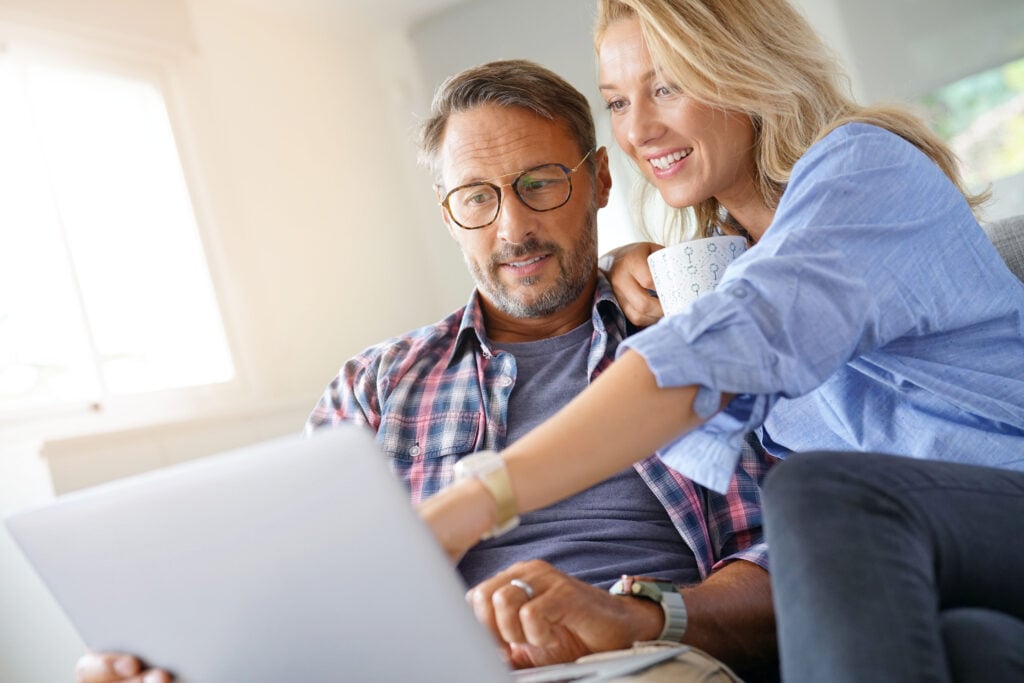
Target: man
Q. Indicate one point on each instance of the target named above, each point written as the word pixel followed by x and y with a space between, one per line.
pixel 517 172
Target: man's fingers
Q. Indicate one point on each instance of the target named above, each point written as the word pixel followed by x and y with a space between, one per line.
pixel 97 667
pixel 106 667
pixel 508 600
pixel 541 617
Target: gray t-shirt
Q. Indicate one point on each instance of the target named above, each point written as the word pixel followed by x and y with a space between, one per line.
pixel 616 527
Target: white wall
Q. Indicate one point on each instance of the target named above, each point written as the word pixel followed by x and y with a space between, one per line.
pixel 906 48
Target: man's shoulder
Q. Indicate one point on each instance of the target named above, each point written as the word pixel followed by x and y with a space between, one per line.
pixel 428 341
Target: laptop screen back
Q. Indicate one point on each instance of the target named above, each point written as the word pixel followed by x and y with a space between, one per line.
pixel 295 559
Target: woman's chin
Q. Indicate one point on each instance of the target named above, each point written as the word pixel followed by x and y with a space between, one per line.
pixel 678 198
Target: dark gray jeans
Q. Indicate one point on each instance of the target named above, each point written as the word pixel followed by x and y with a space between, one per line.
pixel 894 569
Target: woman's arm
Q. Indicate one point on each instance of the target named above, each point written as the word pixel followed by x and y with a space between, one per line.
pixel 620 419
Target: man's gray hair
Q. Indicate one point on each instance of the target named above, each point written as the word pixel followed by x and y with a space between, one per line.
pixel 507 83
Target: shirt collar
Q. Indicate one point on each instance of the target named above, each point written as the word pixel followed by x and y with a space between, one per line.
pixel 606 313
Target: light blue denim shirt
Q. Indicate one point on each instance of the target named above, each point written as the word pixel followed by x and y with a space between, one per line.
pixel 873 315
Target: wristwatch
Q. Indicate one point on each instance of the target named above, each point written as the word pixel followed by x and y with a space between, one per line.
pixel 489 468
pixel 665 593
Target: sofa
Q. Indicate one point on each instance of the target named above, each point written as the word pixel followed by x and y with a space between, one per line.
pixel 1008 236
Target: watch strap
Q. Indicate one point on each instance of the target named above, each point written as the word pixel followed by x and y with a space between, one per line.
pixel 675 615
pixel 489 469
pixel 500 487
pixel 665 593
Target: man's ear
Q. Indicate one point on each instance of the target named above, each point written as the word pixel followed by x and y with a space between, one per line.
pixel 445 216
pixel 603 176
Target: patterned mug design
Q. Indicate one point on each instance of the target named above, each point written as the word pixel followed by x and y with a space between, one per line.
pixel 685 271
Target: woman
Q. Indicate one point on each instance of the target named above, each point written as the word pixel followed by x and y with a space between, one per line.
pixel 871 315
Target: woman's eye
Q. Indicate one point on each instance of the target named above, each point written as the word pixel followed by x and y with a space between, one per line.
pixel 616 105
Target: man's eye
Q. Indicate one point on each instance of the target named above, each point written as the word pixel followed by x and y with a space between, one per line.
pixel 534 184
pixel 476 196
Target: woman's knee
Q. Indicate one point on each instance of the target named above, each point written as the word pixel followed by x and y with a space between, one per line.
pixel 805 474
pixel 983 645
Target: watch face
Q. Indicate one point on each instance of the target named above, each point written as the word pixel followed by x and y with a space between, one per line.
pixel 476 464
pixel 665 593
pixel 639 587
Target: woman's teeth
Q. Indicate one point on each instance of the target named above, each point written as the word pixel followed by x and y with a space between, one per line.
pixel 661 163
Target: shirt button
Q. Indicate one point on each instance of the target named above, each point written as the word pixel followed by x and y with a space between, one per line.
pixel 505 381
pixel 738 291
pixel 415 450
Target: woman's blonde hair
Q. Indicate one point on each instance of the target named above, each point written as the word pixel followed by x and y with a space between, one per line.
pixel 762 58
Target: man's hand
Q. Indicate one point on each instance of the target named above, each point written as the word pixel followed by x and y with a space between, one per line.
pixel 631 279
pixel 564 620
pixel 108 667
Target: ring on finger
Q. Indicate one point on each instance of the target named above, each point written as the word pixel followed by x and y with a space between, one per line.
pixel 523 586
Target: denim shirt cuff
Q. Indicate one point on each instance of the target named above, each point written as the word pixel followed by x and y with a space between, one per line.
pixel 709 454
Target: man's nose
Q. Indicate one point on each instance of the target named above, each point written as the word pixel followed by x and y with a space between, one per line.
pixel 516 221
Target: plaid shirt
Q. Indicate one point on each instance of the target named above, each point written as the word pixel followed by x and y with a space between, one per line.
pixel 439 393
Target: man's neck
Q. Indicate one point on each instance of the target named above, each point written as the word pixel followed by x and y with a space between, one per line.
pixel 501 327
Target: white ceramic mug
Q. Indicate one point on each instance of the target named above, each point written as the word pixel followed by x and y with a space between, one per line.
pixel 684 271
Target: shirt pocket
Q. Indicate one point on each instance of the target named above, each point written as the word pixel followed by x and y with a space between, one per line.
pixel 407 439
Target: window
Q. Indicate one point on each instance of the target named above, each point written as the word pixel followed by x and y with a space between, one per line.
pixel 104 287
pixel 982 118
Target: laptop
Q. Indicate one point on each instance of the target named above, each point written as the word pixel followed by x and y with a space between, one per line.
pixel 294 559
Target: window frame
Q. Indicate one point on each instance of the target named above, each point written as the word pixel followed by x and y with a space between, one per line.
pixel 161 67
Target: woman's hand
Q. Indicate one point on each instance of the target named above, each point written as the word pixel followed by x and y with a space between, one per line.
pixel 631 279
pixel 459 516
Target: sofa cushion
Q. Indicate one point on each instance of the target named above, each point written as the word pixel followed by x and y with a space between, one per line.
pixel 1008 236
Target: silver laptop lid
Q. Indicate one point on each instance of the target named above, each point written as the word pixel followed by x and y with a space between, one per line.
pixel 295 559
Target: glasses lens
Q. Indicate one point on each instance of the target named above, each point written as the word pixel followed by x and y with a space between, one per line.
pixel 544 188
pixel 474 206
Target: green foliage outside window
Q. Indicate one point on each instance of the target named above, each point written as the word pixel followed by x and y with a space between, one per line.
pixel 982 118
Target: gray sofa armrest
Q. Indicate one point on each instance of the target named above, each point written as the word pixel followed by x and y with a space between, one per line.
pixel 1008 236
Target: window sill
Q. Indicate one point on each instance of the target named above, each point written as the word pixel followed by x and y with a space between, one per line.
pixel 85 458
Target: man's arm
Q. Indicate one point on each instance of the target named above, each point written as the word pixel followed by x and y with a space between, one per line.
pixel 351 397
pixel 729 616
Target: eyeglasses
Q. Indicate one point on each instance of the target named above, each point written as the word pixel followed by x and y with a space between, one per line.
pixel 541 188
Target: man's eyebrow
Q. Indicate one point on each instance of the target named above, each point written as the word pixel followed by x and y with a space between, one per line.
pixel 493 179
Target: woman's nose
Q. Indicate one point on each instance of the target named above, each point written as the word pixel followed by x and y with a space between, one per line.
pixel 643 125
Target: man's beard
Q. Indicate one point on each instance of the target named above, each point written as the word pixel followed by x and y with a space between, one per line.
pixel 576 268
